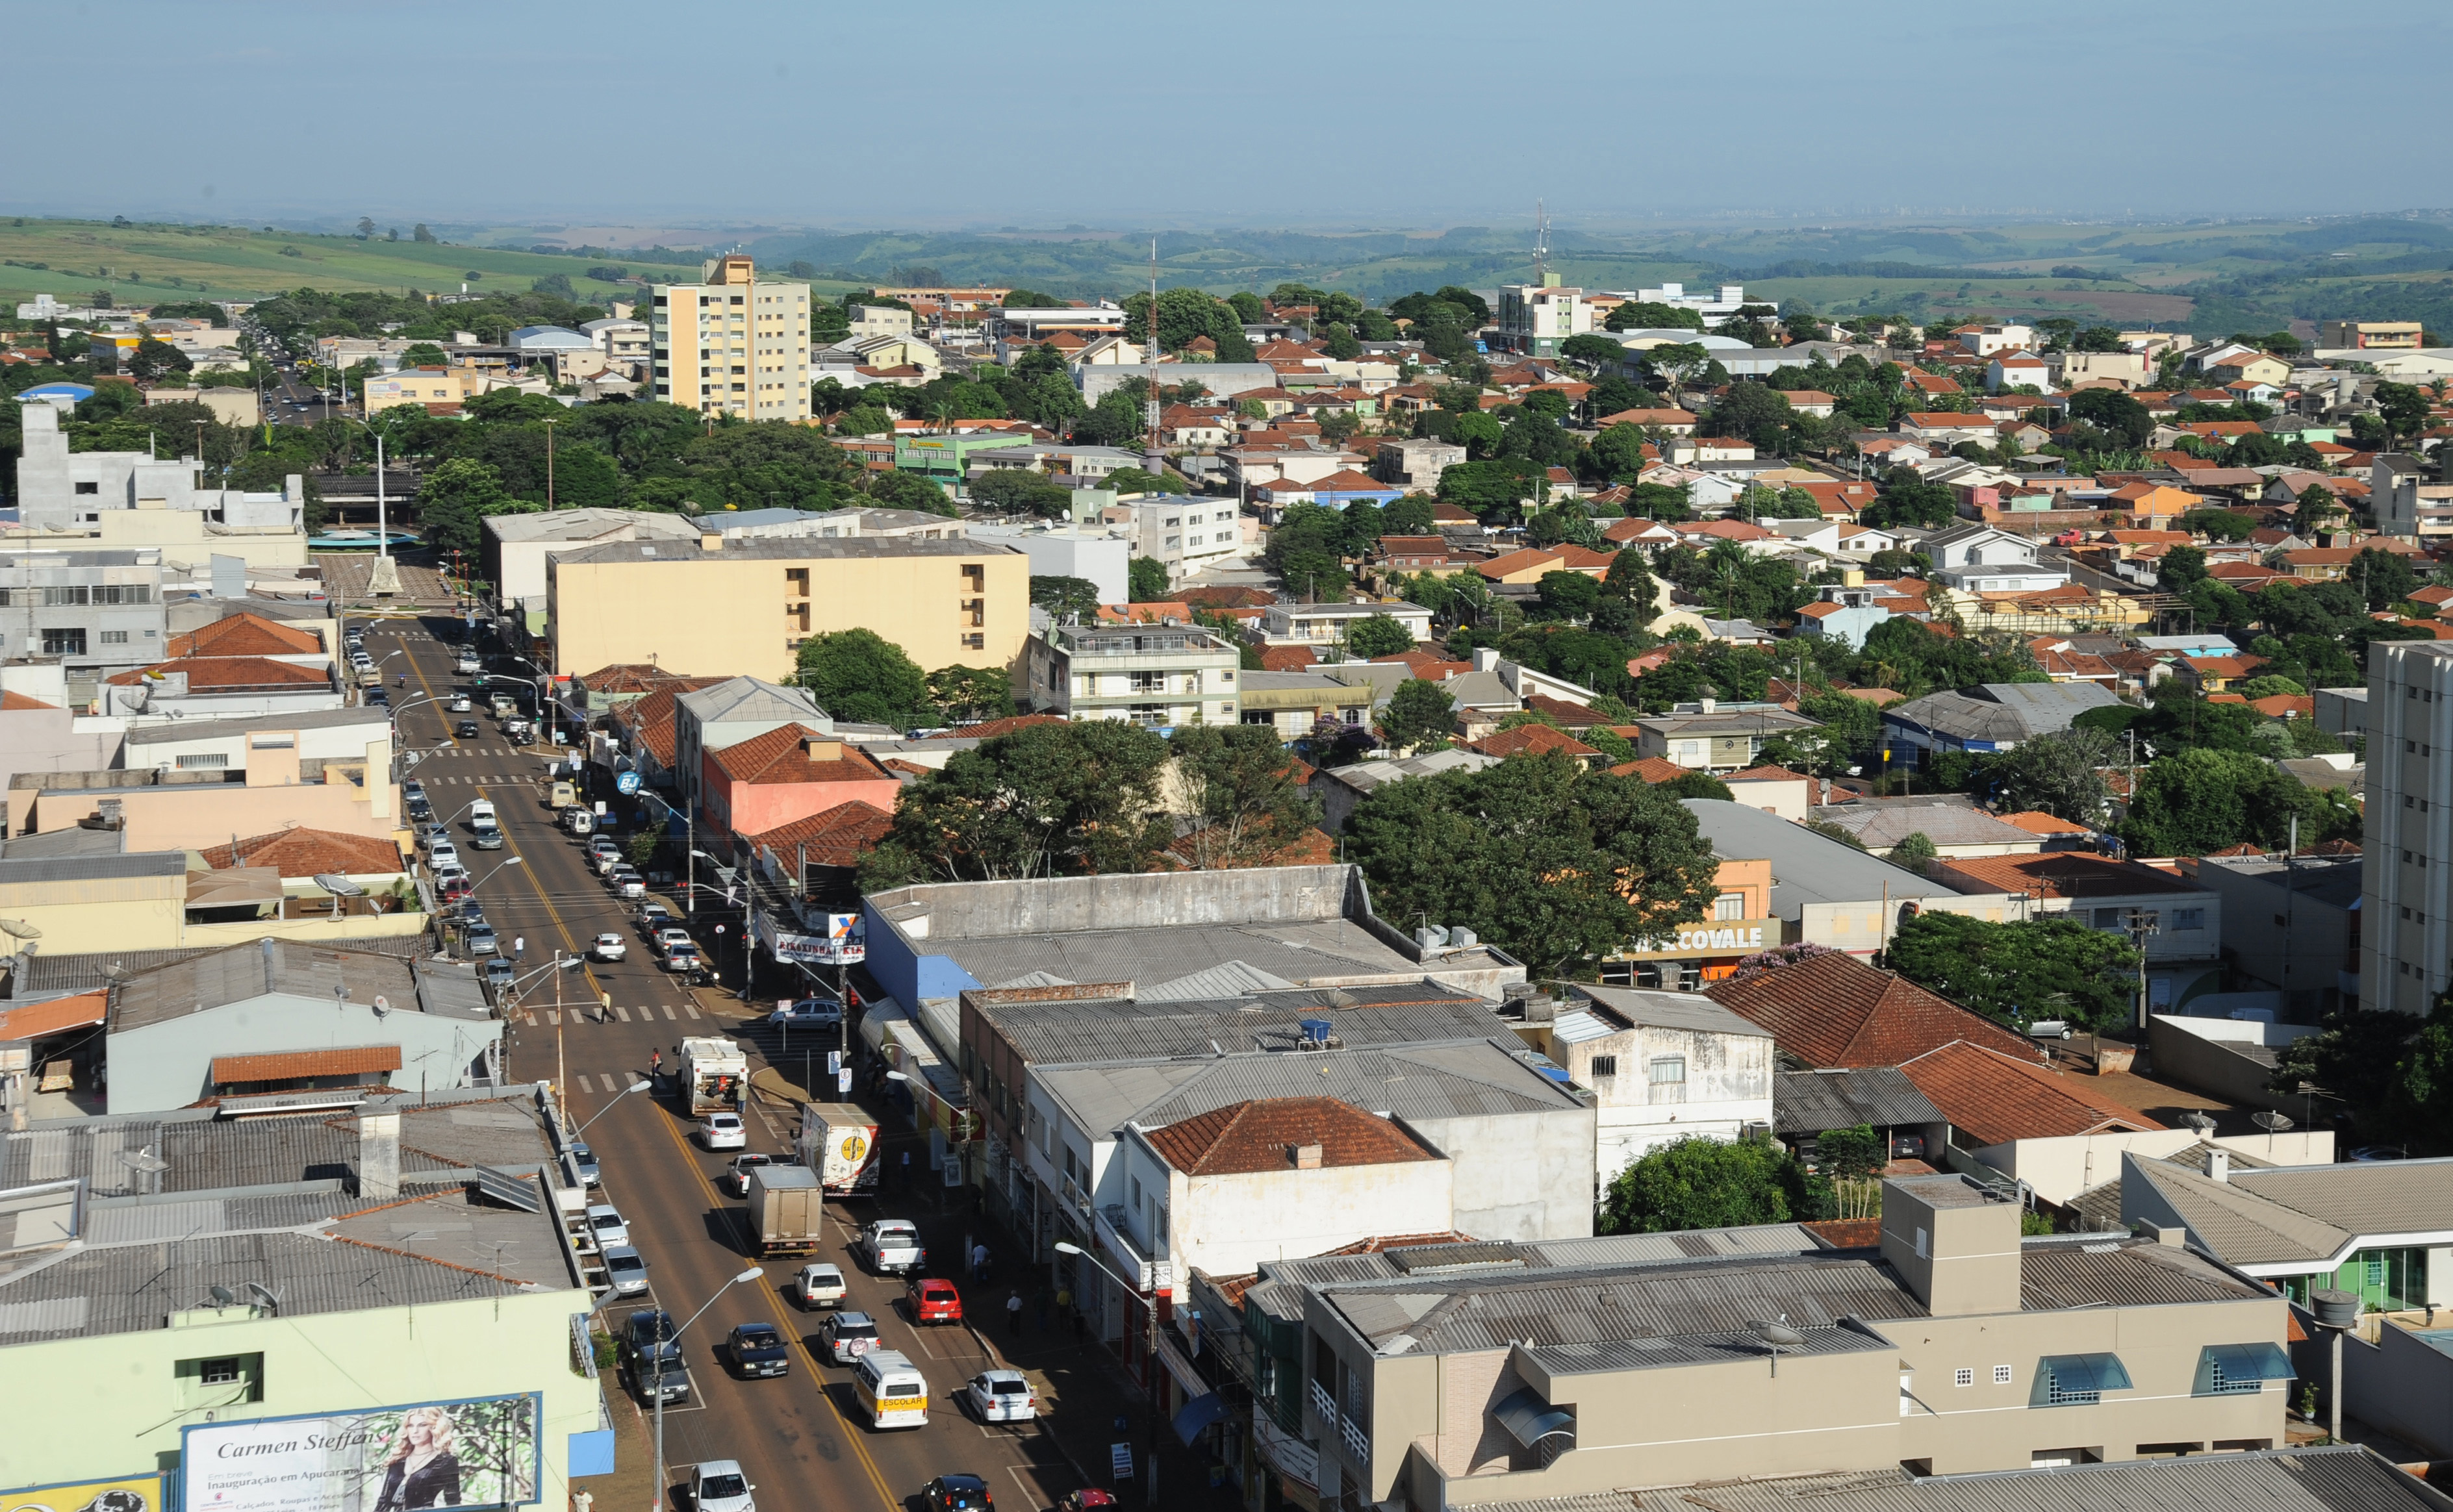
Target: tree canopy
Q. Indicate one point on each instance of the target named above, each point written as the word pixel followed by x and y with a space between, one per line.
pixel 2019 973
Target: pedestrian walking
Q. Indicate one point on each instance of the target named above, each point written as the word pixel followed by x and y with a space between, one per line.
pixel 655 1062
pixel 979 1262
pixel 1013 1313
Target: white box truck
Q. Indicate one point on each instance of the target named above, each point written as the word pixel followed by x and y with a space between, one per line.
pixel 839 1141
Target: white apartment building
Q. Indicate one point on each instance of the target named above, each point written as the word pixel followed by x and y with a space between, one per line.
pixel 1536 318
pixel 1328 624
pixel 1662 1066
pixel 1187 534
pixel 1714 307
pixel 2406 884
pixel 735 344
pixel 1156 676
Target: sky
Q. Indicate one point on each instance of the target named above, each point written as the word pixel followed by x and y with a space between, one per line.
pixel 1265 113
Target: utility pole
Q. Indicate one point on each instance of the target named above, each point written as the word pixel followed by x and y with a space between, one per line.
pixel 2144 926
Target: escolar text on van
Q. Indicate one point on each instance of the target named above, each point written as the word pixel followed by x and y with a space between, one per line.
pixel 890 1389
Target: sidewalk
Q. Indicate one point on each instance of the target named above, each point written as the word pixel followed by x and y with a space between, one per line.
pixel 1082 1385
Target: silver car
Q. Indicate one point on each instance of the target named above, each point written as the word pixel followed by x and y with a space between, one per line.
pixel 626 1270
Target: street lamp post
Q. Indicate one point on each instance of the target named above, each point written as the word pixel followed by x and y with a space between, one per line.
pixel 1149 1470
pixel 657 1504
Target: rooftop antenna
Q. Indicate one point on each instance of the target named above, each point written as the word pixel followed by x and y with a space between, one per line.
pixel 224 1297
pixel 148 1166
pixel 1541 242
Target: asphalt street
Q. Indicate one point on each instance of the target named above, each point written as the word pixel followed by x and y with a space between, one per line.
pixel 801 1439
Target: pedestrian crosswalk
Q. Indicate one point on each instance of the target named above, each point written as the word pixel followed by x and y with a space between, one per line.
pixel 611 1080
pixel 473 779
pixel 553 1018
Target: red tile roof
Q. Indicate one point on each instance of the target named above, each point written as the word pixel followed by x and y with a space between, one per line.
pixel 1650 768
pixel 1572 716
pixel 208 673
pixel 55 1017
pixel 838 837
pixel 1248 1138
pixel 1533 740
pixel 1429 666
pixel 2065 875
pixel 1997 1098
pixel 1834 1012
pixel 2036 822
pixel 11 701
pixel 246 635
pixel 629 677
pixel 1287 658
pixel 779 756
pixel 304 852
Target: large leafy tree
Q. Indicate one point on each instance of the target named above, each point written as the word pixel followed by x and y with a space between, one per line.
pixel 1239 786
pixel 2019 973
pixel 2059 774
pixel 963 694
pixel 1378 635
pixel 1698 1182
pixel 455 496
pixel 861 677
pixel 1045 801
pixel 1419 714
pixel 2203 799
pixel 1061 596
pixel 1556 864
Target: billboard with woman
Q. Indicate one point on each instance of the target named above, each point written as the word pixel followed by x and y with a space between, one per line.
pixel 449 1454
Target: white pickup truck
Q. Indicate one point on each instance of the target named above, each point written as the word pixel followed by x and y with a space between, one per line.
pixel 891 1247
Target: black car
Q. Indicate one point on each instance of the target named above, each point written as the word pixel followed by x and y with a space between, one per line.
pixel 957 1493
pixel 466 729
pixel 420 810
pixel 654 1355
pixel 758 1349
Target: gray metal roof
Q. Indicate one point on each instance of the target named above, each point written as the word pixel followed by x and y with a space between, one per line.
pixel 1805 867
pixel 2000 711
pixel 2091 1270
pixel 92 868
pixel 1881 827
pixel 1672 1011
pixel 783 549
pixel 586 525
pixel 74 841
pixel 184 732
pixel 1472 1080
pixel 1610 1355
pixel 749 698
pixel 1080 1033
pixel 2239 1224
pixel 211 1154
pixel 1492 1310
pixel 2337 1478
pixel 237 973
pixel 1288 950
pixel 1813 1101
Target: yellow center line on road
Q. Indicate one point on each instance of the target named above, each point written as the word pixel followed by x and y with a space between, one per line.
pixel 534 885
pixel 791 1329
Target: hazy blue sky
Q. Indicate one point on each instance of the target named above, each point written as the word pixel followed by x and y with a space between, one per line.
pixel 1270 114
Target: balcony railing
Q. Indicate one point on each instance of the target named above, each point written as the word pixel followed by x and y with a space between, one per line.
pixel 1324 1405
pixel 1358 1444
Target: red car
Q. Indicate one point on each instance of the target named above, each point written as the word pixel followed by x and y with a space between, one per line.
pixel 934 1300
pixel 1086 1501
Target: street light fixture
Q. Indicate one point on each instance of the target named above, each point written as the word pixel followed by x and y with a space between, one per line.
pixel 1149 1496
pixel 751 1274
pixel 384 581
pixel 635 1086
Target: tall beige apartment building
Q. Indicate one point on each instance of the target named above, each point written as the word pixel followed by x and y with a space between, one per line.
pixel 2406 883
pixel 735 345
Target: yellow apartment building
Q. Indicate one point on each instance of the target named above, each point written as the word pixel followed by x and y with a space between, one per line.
pixel 735 345
pixel 743 605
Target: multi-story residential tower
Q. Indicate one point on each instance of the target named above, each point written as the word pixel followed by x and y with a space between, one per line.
pixel 734 345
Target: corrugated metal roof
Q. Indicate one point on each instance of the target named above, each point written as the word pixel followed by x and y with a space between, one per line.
pixel 1476 1079
pixel 2361 1196
pixel 39 870
pixel 1696 1350
pixel 1086 1032
pixel 1494 1309
pixel 2091 1271
pixel 1813 1101
pixel 1674 1010
pixel 239 973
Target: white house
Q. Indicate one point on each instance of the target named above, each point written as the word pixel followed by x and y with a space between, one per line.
pixel 1978 559
pixel 1277 1179
pixel 1663 1066
pixel 1330 623
pixel 2014 369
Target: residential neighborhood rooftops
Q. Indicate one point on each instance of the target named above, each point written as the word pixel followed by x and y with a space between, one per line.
pixel 1813 1102
pixel 1806 868
pixel 302 852
pixel 1274 1134
pixel 1997 1098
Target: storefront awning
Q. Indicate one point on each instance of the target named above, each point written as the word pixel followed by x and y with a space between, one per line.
pixel 298 1065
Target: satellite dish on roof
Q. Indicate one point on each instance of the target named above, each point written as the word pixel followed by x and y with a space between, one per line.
pixel 224 1297
pixel 1776 1337
pixel 2271 1122
pixel 20 928
pixel 338 886
pixel 2200 1123
pixel 383 1005
pixel 265 1296
pixel 145 1161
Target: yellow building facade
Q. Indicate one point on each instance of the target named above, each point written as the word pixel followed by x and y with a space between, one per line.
pixel 737 345
pixel 743 605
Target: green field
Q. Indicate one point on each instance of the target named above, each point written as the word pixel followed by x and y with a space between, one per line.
pixel 149 263
pixel 2214 277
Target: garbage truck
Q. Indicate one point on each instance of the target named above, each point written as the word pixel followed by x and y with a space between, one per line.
pixel 715 1076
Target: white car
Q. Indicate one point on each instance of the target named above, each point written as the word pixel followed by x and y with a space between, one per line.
pixel 674 935
pixel 605 1221
pixel 460 705
pixel 443 853
pixel 722 1131
pixel 609 947
pixel 819 1284
pixel 1001 1396
pixel 718 1485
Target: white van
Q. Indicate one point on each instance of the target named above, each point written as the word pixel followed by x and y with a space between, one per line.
pixel 890 1389
pixel 482 811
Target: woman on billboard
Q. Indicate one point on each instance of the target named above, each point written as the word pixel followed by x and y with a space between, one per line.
pixel 422 1471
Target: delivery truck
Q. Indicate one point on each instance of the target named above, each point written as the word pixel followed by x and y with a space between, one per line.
pixel 786 1210
pixel 715 1076
pixel 839 1141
